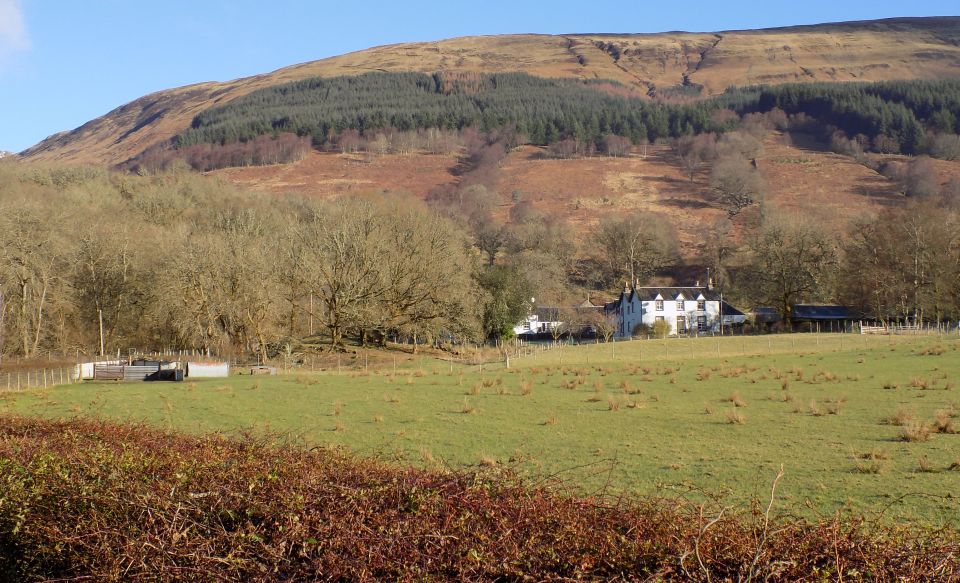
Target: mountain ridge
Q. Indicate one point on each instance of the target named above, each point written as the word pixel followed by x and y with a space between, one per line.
pixel 898 48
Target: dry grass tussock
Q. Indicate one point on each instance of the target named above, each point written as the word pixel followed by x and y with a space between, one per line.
pixel 735 417
pixel 736 399
pixel 526 387
pixel 901 417
pixel 915 431
pixel 943 421
pixel 143 504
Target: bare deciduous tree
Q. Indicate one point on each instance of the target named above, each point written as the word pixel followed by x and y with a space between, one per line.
pixel 694 151
pixel 790 261
pixel 736 183
pixel 635 246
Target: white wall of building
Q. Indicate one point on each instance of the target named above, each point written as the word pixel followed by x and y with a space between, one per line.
pixel 532 324
pixel 698 313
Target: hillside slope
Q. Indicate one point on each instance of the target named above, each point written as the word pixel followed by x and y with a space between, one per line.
pixel 828 188
pixel 922 48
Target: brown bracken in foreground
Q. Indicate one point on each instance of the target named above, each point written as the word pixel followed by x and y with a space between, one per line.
pixel 90 500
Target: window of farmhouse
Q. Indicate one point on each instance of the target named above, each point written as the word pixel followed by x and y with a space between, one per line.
pixel 701 305
pixel 659 305
pixel 701 323
pixel 679 305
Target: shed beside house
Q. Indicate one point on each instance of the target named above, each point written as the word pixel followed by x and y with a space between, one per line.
pixel 765 317
pixel 731 315
pixel 822 318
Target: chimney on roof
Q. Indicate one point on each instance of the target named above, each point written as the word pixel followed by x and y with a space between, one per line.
pixel 709 281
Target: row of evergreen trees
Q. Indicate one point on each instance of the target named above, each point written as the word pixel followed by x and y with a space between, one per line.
pixel 543 110
pixel 893 115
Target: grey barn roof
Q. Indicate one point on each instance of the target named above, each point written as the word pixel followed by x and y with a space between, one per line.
pixel 814 312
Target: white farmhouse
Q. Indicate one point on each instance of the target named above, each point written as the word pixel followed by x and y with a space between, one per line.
pixel 687 310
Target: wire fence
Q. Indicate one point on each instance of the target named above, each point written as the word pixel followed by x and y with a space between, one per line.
pixel 34 379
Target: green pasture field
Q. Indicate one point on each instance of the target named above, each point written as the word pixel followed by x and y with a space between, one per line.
pixel 647 416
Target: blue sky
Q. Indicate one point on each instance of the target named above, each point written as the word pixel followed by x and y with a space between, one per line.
pixel 63 63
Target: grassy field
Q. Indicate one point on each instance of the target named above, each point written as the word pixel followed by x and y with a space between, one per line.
pixel 858 423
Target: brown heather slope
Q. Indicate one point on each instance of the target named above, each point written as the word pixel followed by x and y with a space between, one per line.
pixel 828 188
pixel 918 48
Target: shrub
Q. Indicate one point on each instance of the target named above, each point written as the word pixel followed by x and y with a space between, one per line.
pixel 660 329
pixel 282 513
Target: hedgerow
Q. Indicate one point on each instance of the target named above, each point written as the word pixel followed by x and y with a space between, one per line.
pixel 90 499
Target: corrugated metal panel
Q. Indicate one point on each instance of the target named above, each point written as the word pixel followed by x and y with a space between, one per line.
pixel 87 370
pixel 113 372
pixel 208 370
pixel 108 372
pixel 138 373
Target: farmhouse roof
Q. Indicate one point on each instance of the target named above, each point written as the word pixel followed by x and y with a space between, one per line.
pixel 587 304
pixel 672 293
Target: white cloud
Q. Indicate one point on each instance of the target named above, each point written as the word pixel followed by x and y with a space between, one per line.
pixel 13 29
